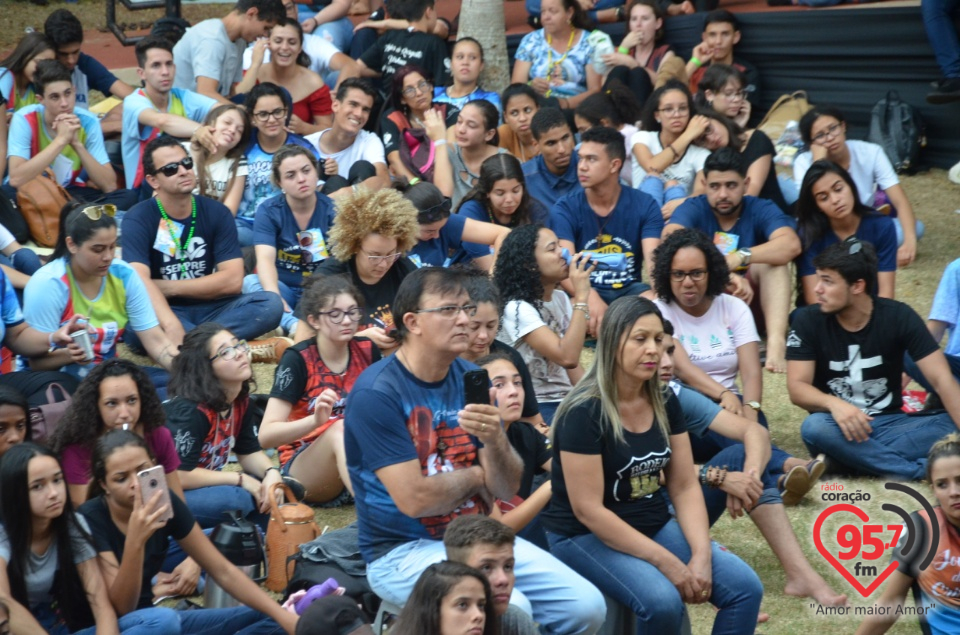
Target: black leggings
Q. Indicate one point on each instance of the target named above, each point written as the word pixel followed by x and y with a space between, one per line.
pixel 360 171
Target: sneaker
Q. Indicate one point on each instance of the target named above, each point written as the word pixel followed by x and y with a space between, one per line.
pixel 816 468
pixel 269 350
pixel 946 91
pixel 794 485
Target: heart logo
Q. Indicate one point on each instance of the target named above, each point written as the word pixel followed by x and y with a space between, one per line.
pixel 829 557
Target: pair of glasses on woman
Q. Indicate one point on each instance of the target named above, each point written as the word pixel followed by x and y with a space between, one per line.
pixel 232 352
pixel 337 316
pixel 422 87
pixel 96 212
pixel 171 169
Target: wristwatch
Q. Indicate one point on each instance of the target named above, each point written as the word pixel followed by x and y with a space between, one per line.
pixel 744 257
pixel 753 404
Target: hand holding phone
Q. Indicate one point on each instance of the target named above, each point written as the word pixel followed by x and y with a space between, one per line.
pixel 154 480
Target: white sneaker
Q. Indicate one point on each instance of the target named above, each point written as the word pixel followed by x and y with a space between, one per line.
pixel 954 174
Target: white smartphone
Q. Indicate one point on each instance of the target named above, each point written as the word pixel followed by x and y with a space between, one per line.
pixel 154 480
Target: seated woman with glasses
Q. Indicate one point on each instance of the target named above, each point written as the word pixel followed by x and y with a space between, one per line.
pixel 83 278
pixel 269 108
pixel 538 318
pixel 830 211
pixel 290 231
pixel 824 131
pixel 722 88
pixel 666 162
pixel 414 129
pixel 442 234
pixel 210 416
pixel 304 417
pixel 370 235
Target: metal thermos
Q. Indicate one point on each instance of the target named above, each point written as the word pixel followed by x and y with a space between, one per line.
pixel 240 542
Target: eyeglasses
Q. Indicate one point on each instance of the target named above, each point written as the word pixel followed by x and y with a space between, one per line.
pixel 695 274
pixel 96 212
pixel 171 169
pixel 734 94
pixel 435 214
pixel 831 132
pixel 670 112
pixel 336 315
pixel 855 245
pixel 264 115
pixel 411 91
pixel 376 260
pixel 231 352
pixel 450 311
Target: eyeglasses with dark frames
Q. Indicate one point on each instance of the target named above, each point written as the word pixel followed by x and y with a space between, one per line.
pixel 695 274
pixel 336 316
pixel 231 352
pixel 451 311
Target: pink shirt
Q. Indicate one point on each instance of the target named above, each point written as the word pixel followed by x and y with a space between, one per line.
pixel 76 458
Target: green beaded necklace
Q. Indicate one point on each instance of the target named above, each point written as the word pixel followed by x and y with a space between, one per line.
pixel 181 250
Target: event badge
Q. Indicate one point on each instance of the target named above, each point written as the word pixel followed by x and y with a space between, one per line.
pixel 164 242
pixel 312 246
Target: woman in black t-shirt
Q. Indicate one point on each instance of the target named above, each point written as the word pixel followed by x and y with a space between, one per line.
pixel 608 519
pixel 371 234
pixel 132 536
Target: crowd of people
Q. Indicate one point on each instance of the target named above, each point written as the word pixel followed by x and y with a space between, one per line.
pixel 357 209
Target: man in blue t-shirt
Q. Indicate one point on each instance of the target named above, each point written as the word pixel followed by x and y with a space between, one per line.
pixel 419 457
pixel 553 174
pixel 606 218
pixel 54 134
pixel 185 249
pixel 66 32
pixel 750 232
pixel 158 108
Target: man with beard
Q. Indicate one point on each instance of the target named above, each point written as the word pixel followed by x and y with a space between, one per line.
pixel 553 174
pixel 185 249
pixel 845 362
pixel 756 237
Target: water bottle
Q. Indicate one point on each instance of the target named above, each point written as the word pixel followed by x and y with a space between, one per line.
pixel 605 262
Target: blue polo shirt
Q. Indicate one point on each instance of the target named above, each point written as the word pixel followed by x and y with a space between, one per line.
pixel 547 187
pixel 759 218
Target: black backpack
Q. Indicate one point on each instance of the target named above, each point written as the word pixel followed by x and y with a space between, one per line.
pixel 899 129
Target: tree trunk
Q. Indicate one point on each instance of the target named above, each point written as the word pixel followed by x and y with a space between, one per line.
pixel 484 21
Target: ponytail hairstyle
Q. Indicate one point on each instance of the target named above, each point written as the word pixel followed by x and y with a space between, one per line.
pixel 945 448
pixel 104 448
pixel 499 167
pixel 302 59
pixel 616 103
pixel 79 227
pixel 491 117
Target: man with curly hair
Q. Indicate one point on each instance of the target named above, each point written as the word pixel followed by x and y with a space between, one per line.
pixel 758 240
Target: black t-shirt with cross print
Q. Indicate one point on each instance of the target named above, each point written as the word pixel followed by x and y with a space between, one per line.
pixel 862 368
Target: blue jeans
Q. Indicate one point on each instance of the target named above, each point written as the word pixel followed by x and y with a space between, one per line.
pixel 655 601
pixel 247 316
pixel 897 447
pixel 910 368
pixel 239 620
pixel 634 288
pixel 557 598
pixel 533 7
pixel 153 621
pixel 921 228
pixel 547 410
pixel 339 32
pixel 732 458
pixel 938 16
pixel 244 232
pixel 655 187
pixel 209 503
pixel 290 295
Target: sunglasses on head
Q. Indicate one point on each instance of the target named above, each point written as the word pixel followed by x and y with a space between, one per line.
pixel 854 244
pixel 96 212
pixel 171 169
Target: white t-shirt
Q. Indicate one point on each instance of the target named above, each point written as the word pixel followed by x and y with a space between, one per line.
pixel 42 569
pixel 367 146
pixel 218 175
pixel 684 171
pixel 319 50
pixel 6 238
pixel 869 168
pixel 626 172
pixel 712 339
pixel 550 380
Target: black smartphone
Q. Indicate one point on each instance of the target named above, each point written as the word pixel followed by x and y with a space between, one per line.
pixel 476 386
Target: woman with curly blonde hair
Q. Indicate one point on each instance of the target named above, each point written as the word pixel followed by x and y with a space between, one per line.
pixel 370 235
